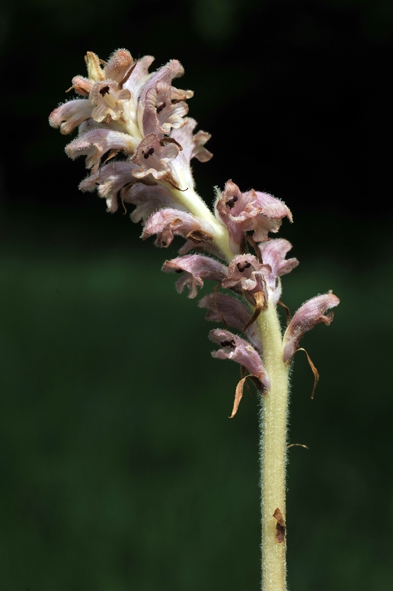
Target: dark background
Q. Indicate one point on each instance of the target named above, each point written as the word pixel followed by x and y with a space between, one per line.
pixel 119 468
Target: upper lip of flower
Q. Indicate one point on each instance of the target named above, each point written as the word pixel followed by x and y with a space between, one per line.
pixel 310 314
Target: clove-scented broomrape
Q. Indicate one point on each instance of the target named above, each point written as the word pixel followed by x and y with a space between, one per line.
pixel 138 142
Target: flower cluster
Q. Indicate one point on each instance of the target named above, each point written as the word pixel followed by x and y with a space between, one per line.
pixel 139 143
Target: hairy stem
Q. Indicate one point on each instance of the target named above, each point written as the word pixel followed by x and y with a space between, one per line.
pixel 273 419
pixel 273 427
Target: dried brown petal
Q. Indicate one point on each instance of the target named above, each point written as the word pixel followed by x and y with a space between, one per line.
pixel 313 369
pixel 280 526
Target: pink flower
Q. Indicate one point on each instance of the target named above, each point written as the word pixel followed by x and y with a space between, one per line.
pixel 109 180
pixel 309 315
pixel 148 199
pixel 239 350
pixel 241 212
pixel 168 222
pixel 273 255
pixel 246 274
pixel 163 105
pixel 153 160
pixel 231 312
pixel 194 269
pixel 70 115
pixel 97 142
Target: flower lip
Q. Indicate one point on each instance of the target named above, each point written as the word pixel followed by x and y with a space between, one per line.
pixel 109 180
pixel 108 101
pixel 167 222
pixel 239 350
pixel 246 273
pixel 153 159
pixel 195 268
pixel 95 143
pixel 70 114
pixel 273 254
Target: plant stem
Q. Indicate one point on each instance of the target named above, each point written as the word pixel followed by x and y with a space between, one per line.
pixel 273 448
pixel 273 415
pixel 199 209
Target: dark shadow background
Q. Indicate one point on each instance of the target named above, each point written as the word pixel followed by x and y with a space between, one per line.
pixel 119 468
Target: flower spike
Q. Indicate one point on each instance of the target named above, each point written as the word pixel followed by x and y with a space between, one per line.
pixel 138 141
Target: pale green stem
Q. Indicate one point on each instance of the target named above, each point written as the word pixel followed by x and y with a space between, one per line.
pixel 198 207
pixel 273 426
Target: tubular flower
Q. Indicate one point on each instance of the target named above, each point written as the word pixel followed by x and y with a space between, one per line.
pixel 246 274
pixel 239 350
pixel 259 212
pixel 309 315
pixel 273 256
pixel 231 312
pixel 194 268
pixel 168 222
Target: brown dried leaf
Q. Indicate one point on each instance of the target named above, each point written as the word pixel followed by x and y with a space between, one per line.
pixel 287 311
pixel 238 396
pixel 260 300
pixel 280 526
pixel 297 445
pixel 240 389
pixel 313 369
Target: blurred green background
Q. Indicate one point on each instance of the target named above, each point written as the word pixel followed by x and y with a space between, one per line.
pixel 119 467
